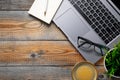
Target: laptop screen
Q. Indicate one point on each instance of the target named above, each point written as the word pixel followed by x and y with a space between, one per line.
pixel 117 3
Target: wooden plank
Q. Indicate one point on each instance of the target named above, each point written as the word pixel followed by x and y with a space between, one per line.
pixel 39 73
pixel 100 69
pixel 35 73
pixel 100 62
pixel 15 4
pixel 38 53
pixel 18 25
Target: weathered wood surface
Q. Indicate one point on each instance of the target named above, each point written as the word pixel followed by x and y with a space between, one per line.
pixel 38 53
pixel 53 60
pixel 38 73
pixel 100 62
pixel 15 4
pixel 35 73
pixel 18 25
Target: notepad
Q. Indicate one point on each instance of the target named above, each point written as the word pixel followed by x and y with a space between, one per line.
pixel 44 9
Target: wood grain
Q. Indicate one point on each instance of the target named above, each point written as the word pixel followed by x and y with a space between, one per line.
pixel 38 53
pixel 18 25
pixel 15 4
pixel 35 73
pixel 39 73
pixel 100 62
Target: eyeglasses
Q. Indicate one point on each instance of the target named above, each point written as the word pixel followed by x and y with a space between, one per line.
pixel 86 44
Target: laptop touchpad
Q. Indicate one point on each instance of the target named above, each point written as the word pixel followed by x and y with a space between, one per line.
pixel 72 25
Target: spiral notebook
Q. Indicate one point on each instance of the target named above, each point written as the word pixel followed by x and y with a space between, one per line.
pixel 44 9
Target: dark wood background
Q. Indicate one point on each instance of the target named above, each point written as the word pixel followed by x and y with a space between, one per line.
pixel 31 49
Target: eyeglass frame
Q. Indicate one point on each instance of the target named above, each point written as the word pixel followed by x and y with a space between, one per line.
pixel 100 46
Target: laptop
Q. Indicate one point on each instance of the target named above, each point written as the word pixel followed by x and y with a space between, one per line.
pixel 96 20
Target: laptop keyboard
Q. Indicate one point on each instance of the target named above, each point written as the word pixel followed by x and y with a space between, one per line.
pixel 99 17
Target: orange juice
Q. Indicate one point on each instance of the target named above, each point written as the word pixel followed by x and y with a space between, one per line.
pixel 84 71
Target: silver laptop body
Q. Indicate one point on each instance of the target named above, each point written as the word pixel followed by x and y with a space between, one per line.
pixel 73 22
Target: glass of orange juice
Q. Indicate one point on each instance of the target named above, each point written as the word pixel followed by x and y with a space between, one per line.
pixel 84 71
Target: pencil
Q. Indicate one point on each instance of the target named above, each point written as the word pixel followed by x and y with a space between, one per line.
pixel 46 8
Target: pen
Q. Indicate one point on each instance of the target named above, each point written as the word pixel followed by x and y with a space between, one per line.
pixel 46 8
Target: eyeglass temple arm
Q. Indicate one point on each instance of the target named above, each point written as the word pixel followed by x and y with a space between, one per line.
pixel 85 39
pixel 101 51
pixel 92 43
pixel 101 46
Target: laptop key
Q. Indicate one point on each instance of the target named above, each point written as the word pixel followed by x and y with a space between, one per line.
pixel 104 25
pixel 103 17
pixel 92 11
pixel 113 29
pixel 109 30
pixel 98 18
pixel 90 16
pixel 99 7
pixel 96 23
pixel 103 31
pixel 93 26
pixel 100 34
pixel 84 9
pixel 86 5
pixel 97 4
pixel 100 14
pixel 83 1
pixel 110 25
pixel 106 21
pixel 106 14
pixel 78 3
pixel 97 11
pixel 94 20
pixel 101 22
pixel 97 30
pixel 110 38
pixel 72 1
pixel 95 15
pixel 113 35
pixel 102 10
pixel 91 4
pixel 87 13
pixel 112 21
pixel 106 34
pixel 118 23
pixel 89 8
pixel 107 41
pixel 99 26
pixel 81 6
pixel 94 7
pixel 109 17
pixel 104 38
pixel 117 33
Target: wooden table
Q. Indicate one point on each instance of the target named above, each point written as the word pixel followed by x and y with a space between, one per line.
pixel 31 49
